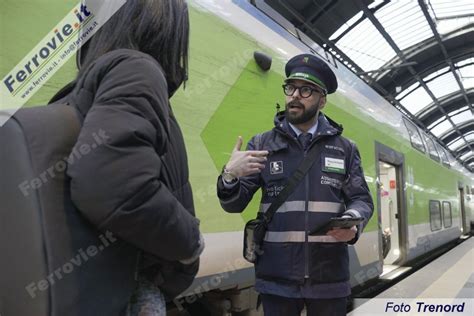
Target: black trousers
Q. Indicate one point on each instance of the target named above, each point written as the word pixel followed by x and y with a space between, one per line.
pixel 274 305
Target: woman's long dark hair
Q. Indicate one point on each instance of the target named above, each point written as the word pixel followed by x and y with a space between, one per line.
pixel 159 28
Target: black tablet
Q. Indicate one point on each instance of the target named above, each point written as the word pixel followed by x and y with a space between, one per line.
pixel 341 222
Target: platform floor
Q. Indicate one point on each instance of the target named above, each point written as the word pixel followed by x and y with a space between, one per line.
pixel 449 276
pixel 446 285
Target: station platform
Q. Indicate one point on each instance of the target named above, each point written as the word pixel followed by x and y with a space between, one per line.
pixel 444 286
pixel 449 276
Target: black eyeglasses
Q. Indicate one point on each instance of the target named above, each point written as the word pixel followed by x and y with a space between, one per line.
pixel 304 91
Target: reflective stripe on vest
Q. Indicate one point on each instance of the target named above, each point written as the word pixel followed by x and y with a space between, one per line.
pixel 299 206
pixel 296 236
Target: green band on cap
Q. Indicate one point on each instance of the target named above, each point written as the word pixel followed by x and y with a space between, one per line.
pixel 302 75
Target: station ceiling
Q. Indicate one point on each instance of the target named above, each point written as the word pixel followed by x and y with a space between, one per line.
pixel 418 54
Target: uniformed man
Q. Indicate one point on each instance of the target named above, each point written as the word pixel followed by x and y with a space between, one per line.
pixel 297 269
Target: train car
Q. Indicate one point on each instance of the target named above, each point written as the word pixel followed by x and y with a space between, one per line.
pixel 423 197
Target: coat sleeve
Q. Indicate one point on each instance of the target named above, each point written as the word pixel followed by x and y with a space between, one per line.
pixel 236 199
pixel 116 183
pixel 357 197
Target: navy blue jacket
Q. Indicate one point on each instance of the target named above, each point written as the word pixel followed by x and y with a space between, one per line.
pixel 333 187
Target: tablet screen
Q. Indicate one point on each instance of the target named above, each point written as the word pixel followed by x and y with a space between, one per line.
pixel 346 222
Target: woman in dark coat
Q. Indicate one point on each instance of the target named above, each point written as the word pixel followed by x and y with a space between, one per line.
pixel 136 185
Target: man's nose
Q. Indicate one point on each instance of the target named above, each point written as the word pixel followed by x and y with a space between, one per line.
pixel 296 94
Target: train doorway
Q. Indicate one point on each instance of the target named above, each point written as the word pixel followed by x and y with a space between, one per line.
pixel 390 224
pixel 391 208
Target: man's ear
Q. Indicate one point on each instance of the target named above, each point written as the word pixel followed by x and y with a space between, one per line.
pixel 322 102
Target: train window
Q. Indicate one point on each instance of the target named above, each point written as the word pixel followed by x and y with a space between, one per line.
pixel 431 148
pixel 448 157
pixel 447 215
pixel 415 137
pixel 442 154
pixel 435 215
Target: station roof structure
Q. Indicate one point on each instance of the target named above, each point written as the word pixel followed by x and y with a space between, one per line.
pixel 418 54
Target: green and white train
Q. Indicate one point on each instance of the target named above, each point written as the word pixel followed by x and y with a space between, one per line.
pixel 421 194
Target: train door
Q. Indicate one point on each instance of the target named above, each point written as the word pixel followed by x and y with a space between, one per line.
pixel 391 206
pixel 462 206
pixel 387 188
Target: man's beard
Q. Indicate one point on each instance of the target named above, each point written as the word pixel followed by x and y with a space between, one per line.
pixel 305 116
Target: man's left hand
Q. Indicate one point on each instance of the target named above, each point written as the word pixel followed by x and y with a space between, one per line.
pixel 342 234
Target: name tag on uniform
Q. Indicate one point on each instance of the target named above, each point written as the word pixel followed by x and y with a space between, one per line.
pixel 334 165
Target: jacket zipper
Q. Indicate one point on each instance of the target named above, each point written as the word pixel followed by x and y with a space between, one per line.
pixel 306 243
pixel 306 217
pixel 306 211
pixel 306 246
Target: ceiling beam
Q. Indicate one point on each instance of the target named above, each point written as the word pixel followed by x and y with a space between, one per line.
pixel 448 59
pixel 451 135
pixel 450 103
pixel 369 14
pixel 469 160
pixel 318 13
pixel 454 17
pixel 462 151
pixel 410 63
pixel 461 126
pixel 463 147
pixel 317 35
pixel 429 57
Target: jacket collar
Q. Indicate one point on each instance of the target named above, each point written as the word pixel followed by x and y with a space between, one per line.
pixel 297 131
pixel 326 126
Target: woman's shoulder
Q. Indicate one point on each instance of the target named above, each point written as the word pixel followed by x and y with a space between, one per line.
pixel 127 68
pixel 131 79
pixel 125 56
pixel 126 74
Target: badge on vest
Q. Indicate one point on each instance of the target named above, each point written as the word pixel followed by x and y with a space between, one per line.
pixel 276 167
pixel 334 165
